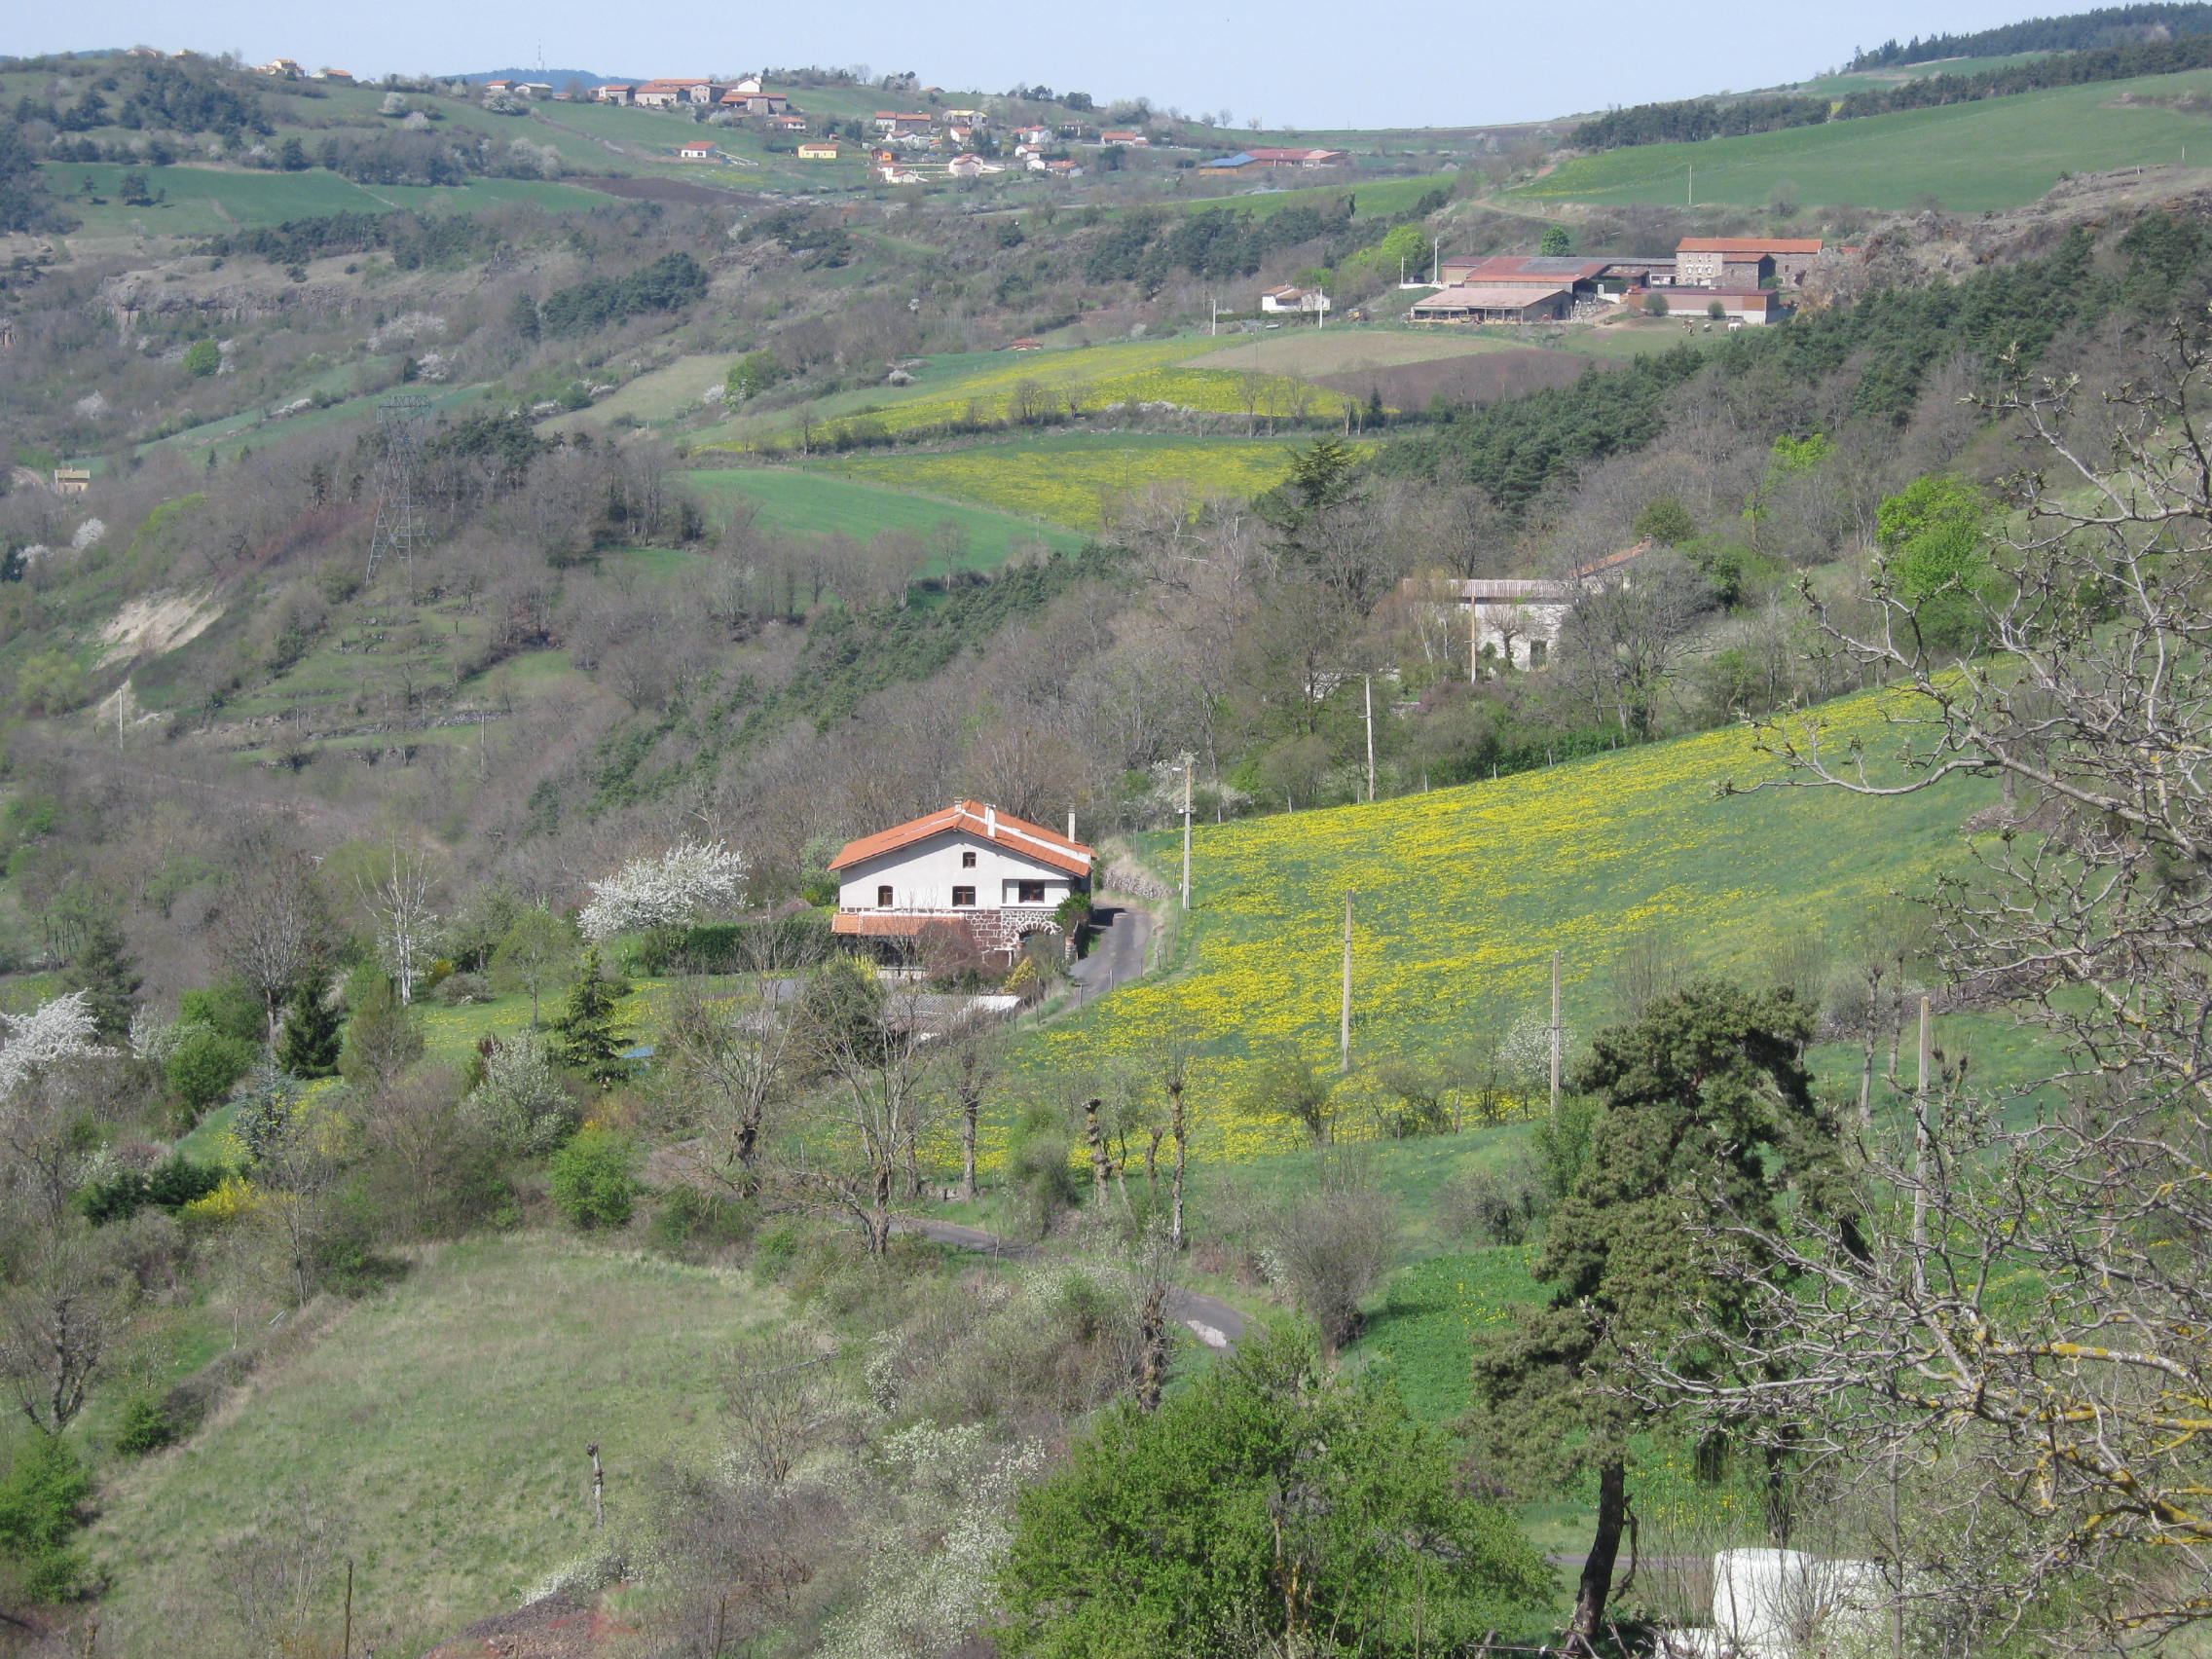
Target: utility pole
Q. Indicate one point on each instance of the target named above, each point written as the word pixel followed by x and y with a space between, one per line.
pixel 1920 1159
pixel 1555 1034
pixel 1689 194
pixel 345 1643
pixel 1436 261
pixel 1370 679
pixel 1188 760
pixel 1344 1010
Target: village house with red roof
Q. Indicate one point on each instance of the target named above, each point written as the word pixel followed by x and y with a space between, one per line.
pixel 999 877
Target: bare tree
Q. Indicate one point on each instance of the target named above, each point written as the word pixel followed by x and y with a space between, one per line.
pixel 399 898
pixel 739 1057
pixel 2055 1439
pixel 273 928
pixel 1623 637
pixel 873 1048
pixel 972 1068
pixel 57 1329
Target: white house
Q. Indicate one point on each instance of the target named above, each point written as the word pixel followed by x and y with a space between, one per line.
pixel 998 876
pixel 1516 619
pixel 1287 299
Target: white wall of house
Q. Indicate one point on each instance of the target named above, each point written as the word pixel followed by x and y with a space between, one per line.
pixel 922 876
pixel 1513 630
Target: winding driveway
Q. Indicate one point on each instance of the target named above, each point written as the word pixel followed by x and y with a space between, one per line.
pixel 1121 940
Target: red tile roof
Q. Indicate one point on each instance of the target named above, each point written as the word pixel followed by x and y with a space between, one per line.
pixel 974 817
pixel 1748 245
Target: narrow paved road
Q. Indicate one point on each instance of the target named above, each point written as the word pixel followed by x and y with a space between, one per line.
pixel 1121 937
pixel 1208 1318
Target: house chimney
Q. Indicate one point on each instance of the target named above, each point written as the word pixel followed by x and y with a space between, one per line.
pixel 990 821
pixel 1071 823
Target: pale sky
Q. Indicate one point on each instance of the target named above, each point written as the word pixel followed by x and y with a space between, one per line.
pixel 1415 63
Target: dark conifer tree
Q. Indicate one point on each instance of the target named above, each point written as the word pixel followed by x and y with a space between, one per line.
pixel 314 1030
pixel 105 971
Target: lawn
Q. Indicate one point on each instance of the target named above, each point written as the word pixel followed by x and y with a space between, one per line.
pixel 821 505
pixel 1460 897
pixel 445 1423
pixel 1076 479
pixel 1995 153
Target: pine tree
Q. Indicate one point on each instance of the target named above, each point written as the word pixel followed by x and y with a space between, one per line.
pixel 1705 1094
pixel 314 1031
pixel 383 1039
pixel 589 1036
pixel 105 971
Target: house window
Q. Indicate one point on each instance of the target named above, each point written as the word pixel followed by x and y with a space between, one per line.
pixel 1029 892
pixel 967 861
pixel 883 898
pixel 963 898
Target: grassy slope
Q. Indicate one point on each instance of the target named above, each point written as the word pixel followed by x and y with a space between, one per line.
pixel 447 1420
pixel 822 504
pixel 986 384
pixel 1998 153
pixel 207 200
pixel 1070 479
pixel 1463 894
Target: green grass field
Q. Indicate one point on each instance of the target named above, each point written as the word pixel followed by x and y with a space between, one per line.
pixel 1076 479
pixel 1998 153
pixel 821 505
pixel 207 201
pixel 445 1422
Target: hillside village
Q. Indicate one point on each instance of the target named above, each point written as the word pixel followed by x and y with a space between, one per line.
pixel 802 865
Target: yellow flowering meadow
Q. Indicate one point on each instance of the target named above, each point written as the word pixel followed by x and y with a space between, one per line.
pixel 1463 895
pixel 1076 486
pixel 1085 381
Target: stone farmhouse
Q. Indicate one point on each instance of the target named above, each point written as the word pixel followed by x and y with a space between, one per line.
pixel 1516 619
pixel 997 877
pixel 1744 262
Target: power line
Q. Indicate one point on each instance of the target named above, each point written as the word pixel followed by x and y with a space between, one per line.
pixel 400 526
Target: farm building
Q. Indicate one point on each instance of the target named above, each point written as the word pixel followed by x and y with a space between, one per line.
pixel 1272 158
pixel 898 125
pixel 997 877
pixel 1744 262
pixel 698 150
pixel 1753 307
pixel 1299 300
pixel 1516 619
pixel 820 150
pixel 1588 278
pixel 1495 302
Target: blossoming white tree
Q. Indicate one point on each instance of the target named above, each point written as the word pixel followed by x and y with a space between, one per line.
pixel 668 890
pixel 62 1029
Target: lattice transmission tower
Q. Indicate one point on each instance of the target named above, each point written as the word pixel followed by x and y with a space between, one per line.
pixel 401 526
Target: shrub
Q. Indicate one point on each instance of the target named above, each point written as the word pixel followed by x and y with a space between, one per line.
pixel 202 358
pixel 203 1065
pixel 688 1220
pixel 519 1106
pixel 595 1177
pixel 145 1427
pixel 1329 1249
pixel 41 1502
pixel 1490 1206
